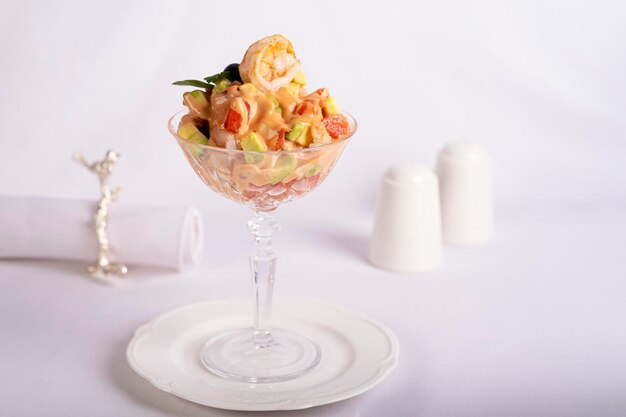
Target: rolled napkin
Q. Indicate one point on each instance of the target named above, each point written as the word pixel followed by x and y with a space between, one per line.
pixel 46 228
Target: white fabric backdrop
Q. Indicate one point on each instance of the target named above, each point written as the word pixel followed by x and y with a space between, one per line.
pixel 540 83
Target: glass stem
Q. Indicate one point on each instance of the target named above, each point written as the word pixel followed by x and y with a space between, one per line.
pixel 264 228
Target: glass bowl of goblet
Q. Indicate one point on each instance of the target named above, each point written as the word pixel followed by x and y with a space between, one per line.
pixel 262 181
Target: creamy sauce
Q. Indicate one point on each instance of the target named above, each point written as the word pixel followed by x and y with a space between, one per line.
pixel 269 115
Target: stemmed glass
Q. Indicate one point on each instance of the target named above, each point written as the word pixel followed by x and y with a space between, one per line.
pixel 262 181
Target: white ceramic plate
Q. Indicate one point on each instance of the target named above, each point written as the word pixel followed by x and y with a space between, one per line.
pixel 357 354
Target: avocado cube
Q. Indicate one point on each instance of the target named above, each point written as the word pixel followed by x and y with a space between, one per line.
pixel 300 133
pixel 221 86
pixel 253 143
pixel 276 104
pixel 197 102
pixel 190 132
pixel 295 131
pixel 313 171
pixel 283 166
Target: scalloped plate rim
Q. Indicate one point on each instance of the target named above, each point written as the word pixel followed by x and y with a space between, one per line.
pixel 385 365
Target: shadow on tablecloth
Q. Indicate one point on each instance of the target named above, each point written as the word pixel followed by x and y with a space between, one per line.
pixel 351 243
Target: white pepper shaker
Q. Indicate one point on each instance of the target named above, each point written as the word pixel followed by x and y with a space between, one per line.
pixel 407 228
pixel 465 182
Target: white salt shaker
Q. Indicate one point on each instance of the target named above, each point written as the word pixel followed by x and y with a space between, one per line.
pixel 407 228
pixel 465 180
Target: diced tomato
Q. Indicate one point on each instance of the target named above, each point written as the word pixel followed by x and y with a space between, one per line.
pixel 322 92
pixel 280 141
pixel 276 142
pixel 308 107
pixel 301 108
pixel 233 121
pixel 336 125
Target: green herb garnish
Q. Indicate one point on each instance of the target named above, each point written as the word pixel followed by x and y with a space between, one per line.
pixel 224 75
pixel 209 82
pixel 193 83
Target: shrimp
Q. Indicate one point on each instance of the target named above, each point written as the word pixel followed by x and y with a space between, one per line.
pixel 269 63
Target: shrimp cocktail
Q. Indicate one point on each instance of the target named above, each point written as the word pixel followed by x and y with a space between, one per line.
pixel 255 134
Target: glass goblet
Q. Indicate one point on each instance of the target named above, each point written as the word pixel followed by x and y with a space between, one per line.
pixel 262 181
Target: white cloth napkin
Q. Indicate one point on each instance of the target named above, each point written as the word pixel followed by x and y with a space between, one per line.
pixel 45 228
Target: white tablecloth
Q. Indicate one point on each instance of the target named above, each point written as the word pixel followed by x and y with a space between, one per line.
pixel 529 325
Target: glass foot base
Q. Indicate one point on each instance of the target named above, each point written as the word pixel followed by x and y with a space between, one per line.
pixel 280 357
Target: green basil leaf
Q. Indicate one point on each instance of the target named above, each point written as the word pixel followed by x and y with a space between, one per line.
pixel 214 79
pixel 193 83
